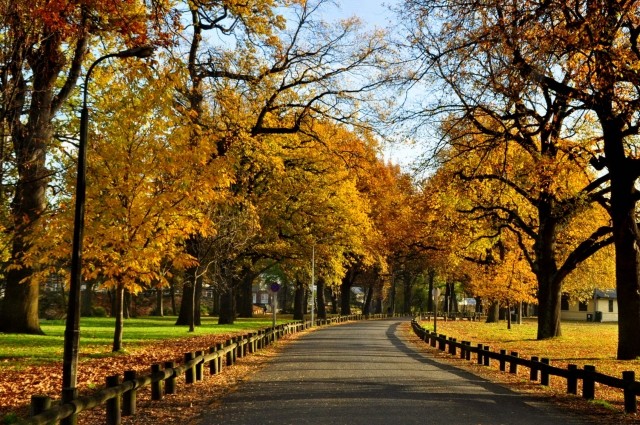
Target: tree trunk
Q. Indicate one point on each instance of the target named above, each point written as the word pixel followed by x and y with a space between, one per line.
pixel 345 292
pixel 159 311
pixel 227 307
pixel 432 277
pixel 334 302
pixel 126 311
pixel 366 309
pixel 407 283
pixel 625 239
pixel 172 290
pixel 245 295
pixel 118 313
pixel 549 298
pixel 19 313
pixel 86 306
pixel 190 304
pixel 493 312
pixel 320 292
pixel 298 304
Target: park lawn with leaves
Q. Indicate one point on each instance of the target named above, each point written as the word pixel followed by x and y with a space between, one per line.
pixel 32 364
pixel 581 343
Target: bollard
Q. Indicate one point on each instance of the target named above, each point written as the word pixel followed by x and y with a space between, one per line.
pixel 129 397
pixel 156 387
pixel 170 382
pixel 113 404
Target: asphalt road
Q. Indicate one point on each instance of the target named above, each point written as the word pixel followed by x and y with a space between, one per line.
pixel 364 373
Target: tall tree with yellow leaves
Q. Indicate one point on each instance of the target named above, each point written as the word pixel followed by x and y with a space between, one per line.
pixel 43 48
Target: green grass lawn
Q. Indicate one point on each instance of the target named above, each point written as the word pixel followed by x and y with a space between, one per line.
pixel 96 336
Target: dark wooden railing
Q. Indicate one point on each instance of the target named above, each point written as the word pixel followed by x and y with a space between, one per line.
pixel 120 397
pixel 540 369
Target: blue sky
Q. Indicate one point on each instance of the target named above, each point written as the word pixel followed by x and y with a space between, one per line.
pixel 371 12
pixel 375 13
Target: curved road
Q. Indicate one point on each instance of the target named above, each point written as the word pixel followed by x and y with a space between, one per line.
pixel 363 373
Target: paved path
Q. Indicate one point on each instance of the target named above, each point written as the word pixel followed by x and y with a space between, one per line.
pixel 364 373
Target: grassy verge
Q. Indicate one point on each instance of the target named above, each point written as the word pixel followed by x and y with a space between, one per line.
pixel 581 343
pixel 96 336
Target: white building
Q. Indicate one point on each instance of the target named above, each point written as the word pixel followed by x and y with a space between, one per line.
pixel 603 307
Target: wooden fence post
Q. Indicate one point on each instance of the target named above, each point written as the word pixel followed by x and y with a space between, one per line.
pixel 68 395
pixel 234 352
pixel 513 366
pixel 452 346
pixel 442 342
pixel 480 362
pixel 156 387
pixel 129 397
pixel 170 383
pixel 199 366
pixel 113 404
pixel 467 353
pixel 533 375
pixel 485 356
pixel 630 404
pixel 503 361
pixel 39 403
pixel 572 379
pixel 433 338
pixel 252 343
pixel 544 372
pixel 589 383
pixel 213 364
pixel 189 374
pixel 229 353
pixel 219 347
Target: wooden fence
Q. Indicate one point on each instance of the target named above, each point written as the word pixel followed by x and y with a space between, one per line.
pixel 540 369
pixel 120 397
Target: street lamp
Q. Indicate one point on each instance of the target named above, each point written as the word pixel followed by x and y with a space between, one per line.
pixel 313 283
pixel 72 328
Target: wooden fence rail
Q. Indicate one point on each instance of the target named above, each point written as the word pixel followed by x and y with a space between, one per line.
pixel 540 368
pixel 120 397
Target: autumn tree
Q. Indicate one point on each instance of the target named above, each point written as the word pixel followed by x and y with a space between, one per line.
pixel 43 50
pixel 495 112
pixel 275 78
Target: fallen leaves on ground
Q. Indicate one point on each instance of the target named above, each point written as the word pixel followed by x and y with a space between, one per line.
pixel 17 386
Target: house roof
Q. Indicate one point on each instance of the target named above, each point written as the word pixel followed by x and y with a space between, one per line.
pixel 605 293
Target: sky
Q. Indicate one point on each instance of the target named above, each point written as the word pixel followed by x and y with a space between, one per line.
pixel 375 13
